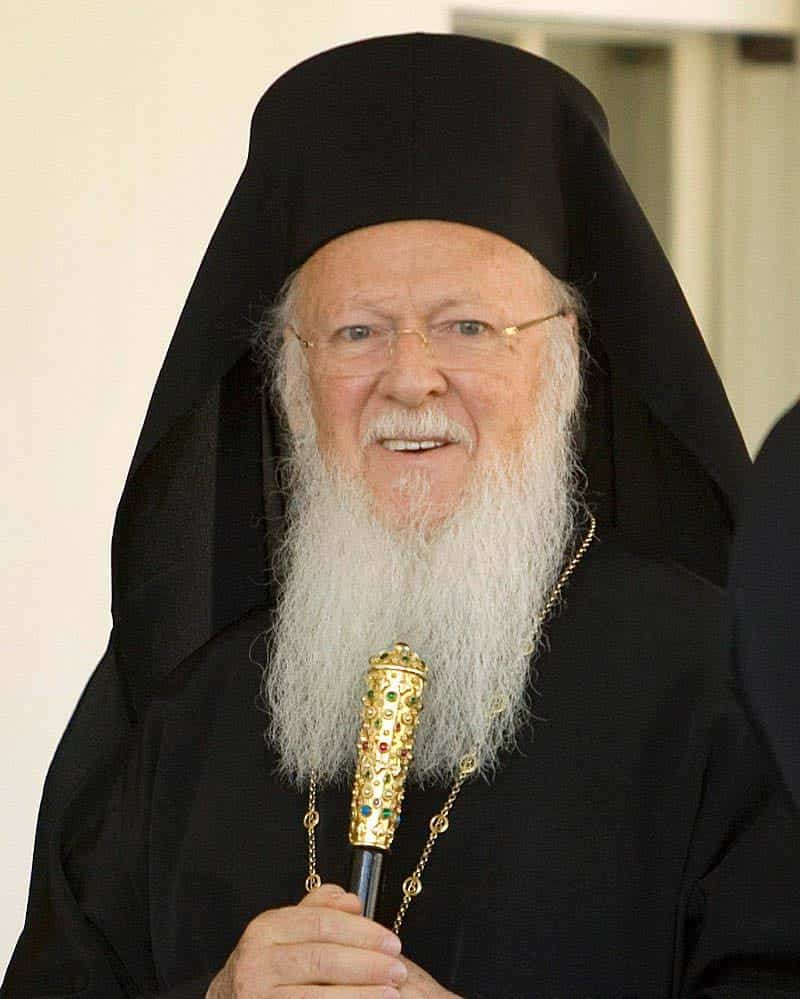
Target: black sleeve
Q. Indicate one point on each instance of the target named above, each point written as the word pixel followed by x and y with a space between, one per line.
pixel 740 935
pixel 196 989
pixel 63 950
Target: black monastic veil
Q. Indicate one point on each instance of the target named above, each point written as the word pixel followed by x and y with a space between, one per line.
pixel 637 844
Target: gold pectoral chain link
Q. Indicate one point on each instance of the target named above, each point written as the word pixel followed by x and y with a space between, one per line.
pixel 440 822
pixel 311 821
pixel 570 567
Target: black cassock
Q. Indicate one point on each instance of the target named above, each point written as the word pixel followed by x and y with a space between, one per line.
pixel 638 842
pixel 637 845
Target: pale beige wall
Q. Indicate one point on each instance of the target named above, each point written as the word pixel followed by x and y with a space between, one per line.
pixel 712 15
pixel 759 236
pixel 124 128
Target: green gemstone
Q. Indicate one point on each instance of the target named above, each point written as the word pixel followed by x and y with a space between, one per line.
pixel 378 723
pixel 386 813
pixel 370 693
pixel 411 701
pixel 391 696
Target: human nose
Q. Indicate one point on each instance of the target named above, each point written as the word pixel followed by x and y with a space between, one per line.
pixel 411 373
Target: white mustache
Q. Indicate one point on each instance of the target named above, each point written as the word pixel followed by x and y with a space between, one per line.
pixel 426 424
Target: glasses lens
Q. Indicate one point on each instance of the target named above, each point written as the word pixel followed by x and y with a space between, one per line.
pixel 352 350
pixel 463 343
pixel 355 349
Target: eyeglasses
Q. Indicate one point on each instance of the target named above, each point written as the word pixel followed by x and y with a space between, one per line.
pixel 457 344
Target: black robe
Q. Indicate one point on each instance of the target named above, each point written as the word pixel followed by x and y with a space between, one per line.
pixel 637 843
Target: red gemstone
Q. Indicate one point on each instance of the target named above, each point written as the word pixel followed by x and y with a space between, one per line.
pixel 383 746
pixel 364 745
pixel 404 752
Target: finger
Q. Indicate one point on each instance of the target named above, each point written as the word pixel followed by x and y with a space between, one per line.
pixel 332 964
pixel 323 924
pixel 333 896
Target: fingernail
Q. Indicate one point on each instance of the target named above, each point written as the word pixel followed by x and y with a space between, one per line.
pixel 398 973
pixel 391 944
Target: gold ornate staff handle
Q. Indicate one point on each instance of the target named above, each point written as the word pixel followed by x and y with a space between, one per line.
pixel 389 719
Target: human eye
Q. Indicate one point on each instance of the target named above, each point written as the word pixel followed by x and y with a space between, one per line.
pixel 471 328
pixel 356 333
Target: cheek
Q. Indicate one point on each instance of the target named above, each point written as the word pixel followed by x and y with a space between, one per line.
pixel 336 410
pixel 501 404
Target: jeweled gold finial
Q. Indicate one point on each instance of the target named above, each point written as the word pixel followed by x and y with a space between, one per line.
pixel 389 721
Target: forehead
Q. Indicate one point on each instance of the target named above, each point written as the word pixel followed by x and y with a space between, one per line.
pixel 417 260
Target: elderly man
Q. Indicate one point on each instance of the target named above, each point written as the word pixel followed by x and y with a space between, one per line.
pixel 451 450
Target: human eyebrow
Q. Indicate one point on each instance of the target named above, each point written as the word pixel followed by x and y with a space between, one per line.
pixel 365 300
pixel 469 301
pixel 358 315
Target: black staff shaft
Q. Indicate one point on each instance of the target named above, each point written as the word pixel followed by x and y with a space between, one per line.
pixel 366 869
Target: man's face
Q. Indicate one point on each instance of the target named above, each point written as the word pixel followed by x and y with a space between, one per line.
pixel 407 275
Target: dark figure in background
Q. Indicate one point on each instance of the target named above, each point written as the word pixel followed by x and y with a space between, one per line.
pixel 477 364
pixel 765 593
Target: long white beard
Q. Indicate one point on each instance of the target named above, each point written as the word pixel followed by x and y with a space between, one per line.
pixel 466 596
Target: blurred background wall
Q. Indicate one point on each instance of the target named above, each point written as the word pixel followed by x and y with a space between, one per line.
pixel 124 128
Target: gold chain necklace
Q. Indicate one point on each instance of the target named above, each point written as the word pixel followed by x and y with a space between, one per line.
pixel 439 822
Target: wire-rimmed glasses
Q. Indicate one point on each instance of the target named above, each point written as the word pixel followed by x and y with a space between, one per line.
pixel 366 348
